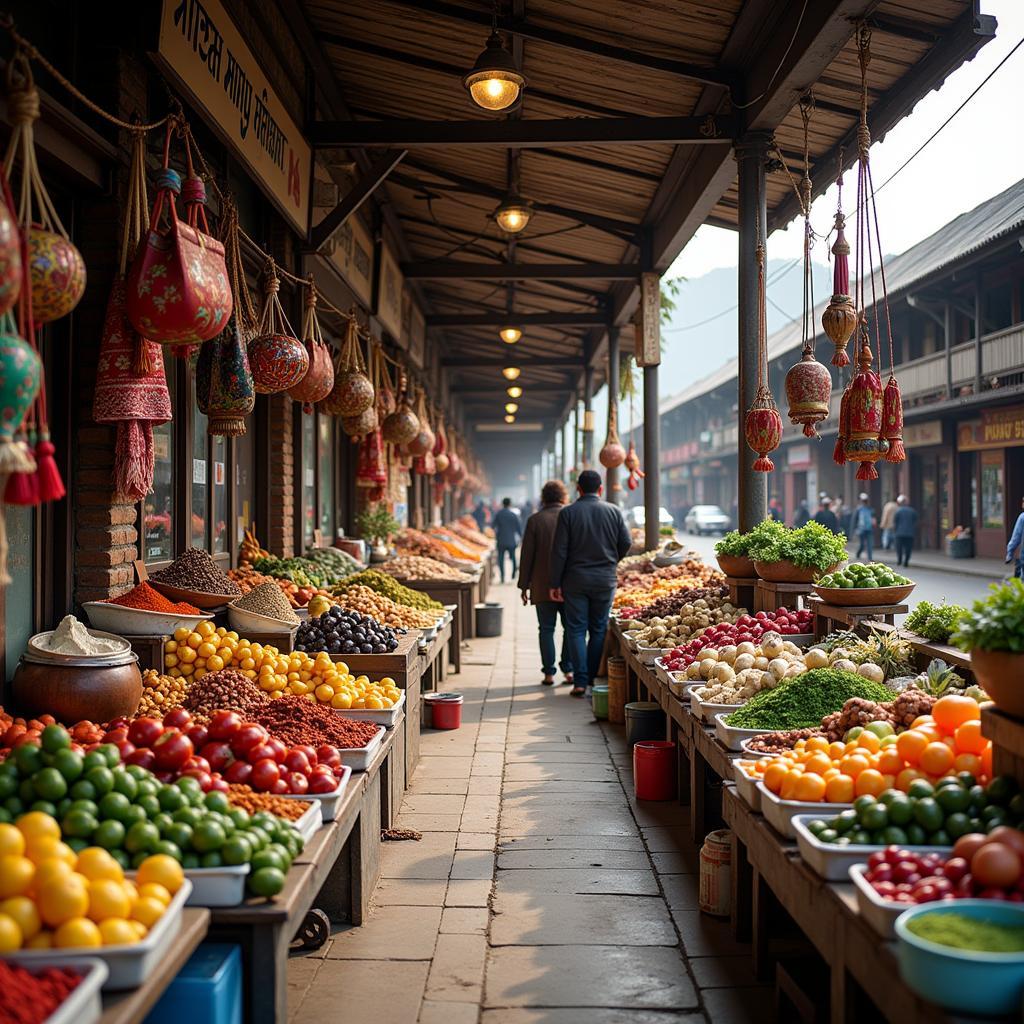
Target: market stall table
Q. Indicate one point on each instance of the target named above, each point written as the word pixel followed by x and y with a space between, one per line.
pixel 770 596
pixel 458 592
pixel 434 660
pixel 827 615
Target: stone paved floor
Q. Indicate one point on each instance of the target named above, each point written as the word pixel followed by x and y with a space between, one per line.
pixel 541 892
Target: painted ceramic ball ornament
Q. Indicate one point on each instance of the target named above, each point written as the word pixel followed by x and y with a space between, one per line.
pixel 20 374
pixel 10 261
pixel 351 395
pixel 809 392
pixel 58 275
pixel 278 362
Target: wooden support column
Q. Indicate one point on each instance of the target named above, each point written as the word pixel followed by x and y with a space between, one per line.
pixel 576 452
pixel 979 330
pixel 588 417
pixel 947 331
pixel 751 153
pixel 612 475
pixel 652 458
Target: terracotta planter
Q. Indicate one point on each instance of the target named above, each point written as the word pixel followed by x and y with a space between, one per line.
pixel 786 572
pixel 1001 675
pixel 738 566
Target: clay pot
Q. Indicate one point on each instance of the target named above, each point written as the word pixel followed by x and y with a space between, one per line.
pixel 401 426
pixel 786 572
pixel 738 566
pixel 318 380
pixel 999 673
pixel 612 455
pixel 72 693
pixel 362 424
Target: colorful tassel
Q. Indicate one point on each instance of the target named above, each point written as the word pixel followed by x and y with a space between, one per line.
pixel 867 471
pixel 764 465
pixel 892 420
pixel 51 486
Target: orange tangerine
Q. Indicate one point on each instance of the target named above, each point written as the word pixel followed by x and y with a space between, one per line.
pixel 906 777
pixel 839 790
pixel 809 788
pixel 967 763
pixel 911 744
pixel 818 763
pixel 773 776
pixel 951 711
pixel 870 782
pixel 889 761
pixel 869 741
pixel 986 762
pixel 836 750
pixel 969 739
pixel 854 764
pixel 817 743
pixel 936 759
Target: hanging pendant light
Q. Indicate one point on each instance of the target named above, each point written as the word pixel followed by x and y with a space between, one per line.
pixel 513 214
pixel 514 392
pixel 511 407
pixel 511 372
pixel 495 82
pixel 509 418
pixel 510 335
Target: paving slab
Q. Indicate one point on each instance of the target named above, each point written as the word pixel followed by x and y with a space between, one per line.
pixel 572 842
pixel 589 820
pixel 433 803
pixel 410 892
pixel 468 892
pixel 557 858
pixel 473 864
pixel 465 920
pixel 523 771
pixel 588 1015
pixel 430 857
pixel 681 891
pixel 349 992
pixel 429 822
pixel 391 933
pixel 723 971
pixel 572 881
pixel 434 1012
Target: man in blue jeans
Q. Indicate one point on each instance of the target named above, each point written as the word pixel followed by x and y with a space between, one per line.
pixel 864 527
pixel 508 529
pixel 590 539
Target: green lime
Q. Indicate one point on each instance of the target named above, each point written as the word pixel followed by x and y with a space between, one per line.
pixel 126 784
pixel 115 805
pixel 148 787
pixel 6 818
pixel 958 824
pixel 817 826
pixel 920 788
pixel 89 806
pixel 77 844
pixel 133 814
pixel 1017 805
pixel 978 799
pixel 893 835
pixel 149 804
pixel 143 835
pixel 94 759
pixel 863 802
pixel 14 805
pixel 44 807
pixel 994 820
pixel 901 809
pixel 239 817
pixel 137 772
pixel 828 835
pixel 111 754
pixel 999 791
pixel 928 814
pixel 83 789
pixel 49 784
pixel 170 849
pixel 163 822
pixel 213 859
pixel 236 851
pixel 8 785
pixel 171 798
pixel 940 837
pixel 180 834
pixel 69 764
pixel 953 799
pixel 63 806
pixel 216 801
pixel 266 882
pixel 28 758
pixel 137 859
pixel 189 861
pixel 109 835
pixel 948 780
pixel 54 738
pixel 101 778
pixel 258 837
pixel 79 823
pixel 26 790
pixel 874 817
pixel 189 815
pixel 207 836
pixel 191 788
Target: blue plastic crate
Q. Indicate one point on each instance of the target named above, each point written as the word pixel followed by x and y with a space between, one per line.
pixel 207 990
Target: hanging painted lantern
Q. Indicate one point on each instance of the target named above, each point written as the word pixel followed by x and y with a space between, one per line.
pixel 612 454
pixel 763 429
pixel 58 275
pixel 809 392
pixel 892 421
pixel 277 358
pixel 20 374
pixel 401 426
pixel 371 470
pixel 224 386
pixel 353 391
pixel 10 260
pixel 864 441
pixel 840 316
pixel 361 425
pixel 319 378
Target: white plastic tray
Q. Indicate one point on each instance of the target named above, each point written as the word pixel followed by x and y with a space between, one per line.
pixel 833 862
pixel 329 801
pixel 312 818
pixel 84 1005
pixel 128 964
pixel 217 887
pixel 707 710
pixel 780 813
pixel 385 716
pixel 731 737
pixel 648 655
pixel 746 787
pixel 879 912
pixel 359 758
pixel 661 672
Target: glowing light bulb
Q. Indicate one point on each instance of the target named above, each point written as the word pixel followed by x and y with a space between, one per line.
pixel 511 407
pixel 515 392
pixel 495 82
pixel 510 418
pixel 511 372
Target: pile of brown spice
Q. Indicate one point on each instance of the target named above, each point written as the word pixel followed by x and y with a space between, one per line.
pixel 300 720
pixel 229 689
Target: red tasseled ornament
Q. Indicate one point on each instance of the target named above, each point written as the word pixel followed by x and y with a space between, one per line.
pixel 867 471
pixel 839 452
pixel 20 489
pixel 51 486
pixel 892 421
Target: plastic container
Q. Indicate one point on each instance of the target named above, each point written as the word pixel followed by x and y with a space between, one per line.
pixel 84 1005
pixel 779 813
pixel 649 655
pixel 488 620
pixel 445 710
pixel 961 979
pixel 715 892
pixel 616 689
pixel 599 701
pixel 879 912
pixel 312 818
pixel 654 769
pixel 217 887
pixel 129 964
pixel 207 990
pixel 731 738
pixel 385 716
pixel 116 618
pixel 329 802
pixel 746 787
pixel 706 710
pixel 644 721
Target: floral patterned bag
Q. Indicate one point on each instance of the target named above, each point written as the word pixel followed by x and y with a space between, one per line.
pixel 178 288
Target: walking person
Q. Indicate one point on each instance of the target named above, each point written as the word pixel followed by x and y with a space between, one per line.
pixel 904 530
pixel 775 510
pixel 888 514
pixel 864 527
pixel 591 538
pixel 535 579
pixel 803 514
pixel 480 515
pixel 508 530
pixel 1016 545
pixel 826 516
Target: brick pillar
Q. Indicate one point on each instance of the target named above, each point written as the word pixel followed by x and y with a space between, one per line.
pixel 280 539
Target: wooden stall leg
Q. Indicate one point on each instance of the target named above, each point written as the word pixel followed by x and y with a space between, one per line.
pixel 698 793
pixel 762 903
pixel 366 873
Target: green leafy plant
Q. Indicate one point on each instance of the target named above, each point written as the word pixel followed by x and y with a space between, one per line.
pixel 996 622
pixel 935 622
pixel 666 531
pixel 734 543
pixel 884 648
pixel 376 524
pixel 810 547
pixel 766 541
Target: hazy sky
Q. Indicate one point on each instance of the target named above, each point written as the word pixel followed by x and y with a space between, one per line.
pixel 978 154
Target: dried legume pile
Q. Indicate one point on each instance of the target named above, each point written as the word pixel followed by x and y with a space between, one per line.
pixel 804 700
pixel 390 588
pixel 245 797
pixel 267 599
pixel 147 599
pixel 300 720
pixel 673 604
pixel 383 609
pixel 418 567
pixel 777 742
pixel 228 689
pixel 195 570
pixel 27 998
pixel 338 631
pixel 161 693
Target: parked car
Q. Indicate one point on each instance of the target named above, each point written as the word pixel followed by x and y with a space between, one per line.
pixel 703 519
pixel 637 517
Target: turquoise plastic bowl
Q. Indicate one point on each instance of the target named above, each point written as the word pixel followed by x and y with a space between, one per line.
pixel 960 979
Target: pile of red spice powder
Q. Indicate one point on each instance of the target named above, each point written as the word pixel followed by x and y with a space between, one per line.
pixel 301 720
pixel 27 998
pixel 148 599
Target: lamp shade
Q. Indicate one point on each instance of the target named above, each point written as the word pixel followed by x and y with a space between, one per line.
pixel 509 418
pixel 511 372
pixel 514 392
pixel 511 407
pixel 495 82
pixel 513 214
pixel 510 335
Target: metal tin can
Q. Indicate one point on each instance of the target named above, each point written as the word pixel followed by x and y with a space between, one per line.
pixel 715 896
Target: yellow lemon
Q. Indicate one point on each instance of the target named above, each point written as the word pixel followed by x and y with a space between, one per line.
pixel 16 875
pixel 141 931
pixel 108 898
pixel 62 899
pixel 12 842
pixel 117 931
pixel 147 910
pixel 77 931
pixel 155 891
pixel 207 629
pixel 45 847
pixel 94 862
pixel 25 914
pixel 36 824
pixel 10 934
pixel 163 870
pixel 44 940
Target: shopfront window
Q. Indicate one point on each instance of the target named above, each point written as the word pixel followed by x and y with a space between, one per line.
pixel 325 460
pixel 245 462
pixel 158 507
pixel 219 511
pixel 308 508
pixel 992 503
pixel 19 600
pixel 200 478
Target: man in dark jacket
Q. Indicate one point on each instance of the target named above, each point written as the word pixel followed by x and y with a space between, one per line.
pixel 508 529
pixel 535 578
pixel 826 516
pixel 590 539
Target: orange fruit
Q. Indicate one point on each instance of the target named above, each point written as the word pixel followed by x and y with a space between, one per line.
pixel 789 784
pixel 810 788
pixel 906 777
pixel 818 763
pixel 839 790
pixel 62 899
pixel 936 759
pixel 11 841
pixel 854 764
pixel 163 870
pixel 77 931
pixel 911 744
pixel 36 824
pixel 951 711
pixel 116 931
pixel 16 875
pixel 45 847
pixel 967 763
pixel 869 741
pixel 889 761
pixel 10 934
pixel 156 892
pixel 24 913
pixel 773 776
pixel 817 743
pixel 969 739
pixel 870 782
pixel 986 763
pixel 147 910
pixel 94 862
pixel 836 750
pixel 108 898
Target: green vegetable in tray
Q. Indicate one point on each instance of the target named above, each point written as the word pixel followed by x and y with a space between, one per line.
pixel 809 547
pixel 804 700
pixel 935 622
pixel 863 576
pixel 962 932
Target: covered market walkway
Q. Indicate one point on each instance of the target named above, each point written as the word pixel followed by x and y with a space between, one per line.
pixel 540 891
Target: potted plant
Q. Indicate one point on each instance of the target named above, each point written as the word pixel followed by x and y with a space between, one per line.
pixel 733 553
pixel 993 632
pixel 377 526
pixel 783 555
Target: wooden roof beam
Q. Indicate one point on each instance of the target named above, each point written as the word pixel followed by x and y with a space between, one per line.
pixel 546 362
pixel 409 133
pixel 521 320
pixel 573 41
pixel 442 270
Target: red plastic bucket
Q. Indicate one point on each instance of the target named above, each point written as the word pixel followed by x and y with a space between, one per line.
pixel 654 769
pixel 445 710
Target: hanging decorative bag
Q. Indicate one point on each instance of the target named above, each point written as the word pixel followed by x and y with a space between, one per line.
pixel 441 460
pixel 178 288
pixel 56 267
pixel 277 358
pixel 612 454
pixel 371 470
pixel 762 427
pixel 362 423
pixel 10 253
pixel 423 443
pixel 402 425
pixel 353 391
pixel 319 378
pixel 632 463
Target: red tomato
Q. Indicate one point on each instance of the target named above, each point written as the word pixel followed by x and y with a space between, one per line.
pixel 328 755
pixel 219 784
pixel 144 732
pixel 279 749
pixel 143 757
pixel 996 864
pixel 204 778
pixel 260 752
pixel 238 771
pixel 125 747
pixel 172 750
pixel 280 787
pixel 219 755
pixel 264 774
pixel 224 724
pixel 297 782
pixel 198 734
pixel 322 783
pixel 177 718
pixel 296 762
pixel 197 763
pixel 248 735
